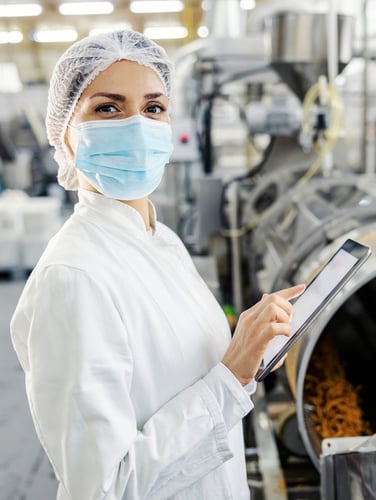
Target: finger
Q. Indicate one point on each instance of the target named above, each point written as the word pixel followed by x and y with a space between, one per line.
pixel 274 312
pixel 281 297
pixel 273 329
pixel 277 300
pixel 291 292
pixel 280 363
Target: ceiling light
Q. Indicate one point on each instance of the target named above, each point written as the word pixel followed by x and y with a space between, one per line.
pixel 20 9
pixel 85 8
pixel 166 32
pixel 247 4
pixel 155 6
pixel 11 36
pixel 52 36
pixel 111 27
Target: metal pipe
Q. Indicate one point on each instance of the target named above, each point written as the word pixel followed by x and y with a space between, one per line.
pixel 225 19
pixel 332 41
pixel 236 274
pixel 274 484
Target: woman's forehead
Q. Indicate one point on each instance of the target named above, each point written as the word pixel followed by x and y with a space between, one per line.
pixel 126 76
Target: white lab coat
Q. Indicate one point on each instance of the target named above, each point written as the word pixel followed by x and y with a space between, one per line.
pixel 121 342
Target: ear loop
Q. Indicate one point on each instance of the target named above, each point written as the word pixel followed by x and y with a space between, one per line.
pixel 67 144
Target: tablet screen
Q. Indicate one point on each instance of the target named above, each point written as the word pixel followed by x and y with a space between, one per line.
pixel 313 296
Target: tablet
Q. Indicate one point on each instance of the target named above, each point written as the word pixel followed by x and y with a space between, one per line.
pixel 318 294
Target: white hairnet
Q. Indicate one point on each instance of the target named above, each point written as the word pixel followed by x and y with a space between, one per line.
pixel 74 71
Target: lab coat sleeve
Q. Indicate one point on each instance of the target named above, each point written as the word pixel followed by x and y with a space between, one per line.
pixel 227 387
pixel 73 347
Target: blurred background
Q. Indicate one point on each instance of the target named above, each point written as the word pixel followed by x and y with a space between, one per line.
pixel 274 119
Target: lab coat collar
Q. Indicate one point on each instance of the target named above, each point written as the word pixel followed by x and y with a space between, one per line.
pixel 117 212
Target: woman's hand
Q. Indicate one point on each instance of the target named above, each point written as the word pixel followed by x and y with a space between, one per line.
pixel 269 317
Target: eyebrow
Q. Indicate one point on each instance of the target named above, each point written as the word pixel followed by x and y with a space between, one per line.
pixel 122 98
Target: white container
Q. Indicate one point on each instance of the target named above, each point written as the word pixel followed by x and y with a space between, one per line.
pixel 40 215
pixel 26 226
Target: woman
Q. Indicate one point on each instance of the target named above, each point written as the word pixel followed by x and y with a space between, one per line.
pixel 135 388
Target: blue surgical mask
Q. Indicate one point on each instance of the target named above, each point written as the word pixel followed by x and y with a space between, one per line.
pixel 124 159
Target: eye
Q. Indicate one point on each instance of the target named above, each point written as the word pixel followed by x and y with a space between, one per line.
pixel 155 109
pixel 106 108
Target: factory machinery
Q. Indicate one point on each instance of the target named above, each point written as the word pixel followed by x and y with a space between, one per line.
pixel 283 187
